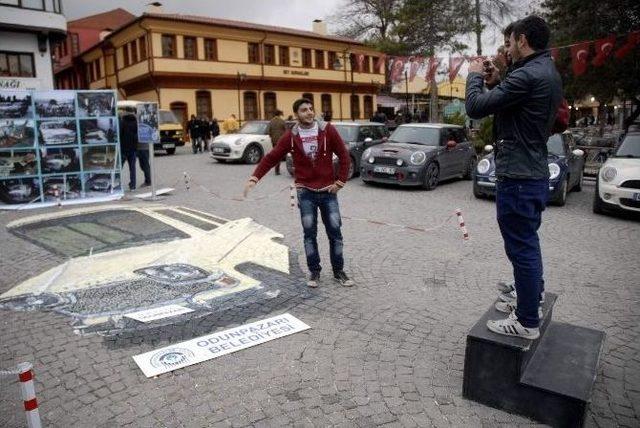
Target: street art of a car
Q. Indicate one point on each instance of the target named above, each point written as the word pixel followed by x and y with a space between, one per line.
pixel 123 259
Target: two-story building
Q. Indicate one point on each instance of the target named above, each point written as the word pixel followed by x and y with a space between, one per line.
pixel 214 67
pixel 27 30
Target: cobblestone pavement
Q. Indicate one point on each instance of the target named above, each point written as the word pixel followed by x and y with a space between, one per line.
pixel 387 352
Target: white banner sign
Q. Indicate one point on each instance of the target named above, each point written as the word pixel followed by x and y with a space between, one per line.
pixel 214 345
pixel 153 314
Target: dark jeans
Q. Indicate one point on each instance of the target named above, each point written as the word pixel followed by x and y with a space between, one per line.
pixel 519 205
pixel 143 157
pixel 327 203
pixel 129 156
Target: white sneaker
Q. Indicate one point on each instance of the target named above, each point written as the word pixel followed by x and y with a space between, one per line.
pixel 512 327
pixel 506 287
pixel 511 296
pixel 314 279
pixel 510 308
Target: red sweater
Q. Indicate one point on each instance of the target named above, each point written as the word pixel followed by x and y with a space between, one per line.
pixel 313 175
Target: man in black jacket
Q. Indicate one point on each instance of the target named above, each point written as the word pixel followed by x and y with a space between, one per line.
pixel 524 106
pixel 128 145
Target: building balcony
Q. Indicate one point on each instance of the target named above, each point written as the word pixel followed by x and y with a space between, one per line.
pixel 32 15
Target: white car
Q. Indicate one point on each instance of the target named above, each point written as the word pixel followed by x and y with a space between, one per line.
pixel 55 133
pixel 249 144
pixel 57 162
pixel 95 136
pixel 618 183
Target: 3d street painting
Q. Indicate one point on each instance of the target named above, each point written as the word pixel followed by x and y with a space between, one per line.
pixel 163 263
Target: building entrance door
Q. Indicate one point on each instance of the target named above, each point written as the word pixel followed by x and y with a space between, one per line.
pixel 179 108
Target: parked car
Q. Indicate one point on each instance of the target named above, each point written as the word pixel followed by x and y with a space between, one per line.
pixel 618 182
pixel 566 169
pixel 358 137
pixel 420 154
pixel 249 144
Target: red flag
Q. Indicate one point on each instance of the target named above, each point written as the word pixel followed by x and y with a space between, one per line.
pixel 579 57
pixel 554 54
pixel 632 40
pixel 381 62
pixel 604 47
pixel 360 61
pixel 415 65
pixel 397 69
pixel 434 62
pixel 454 66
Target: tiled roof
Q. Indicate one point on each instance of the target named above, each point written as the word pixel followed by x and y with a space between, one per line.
pixel 248 26
pixel 108 20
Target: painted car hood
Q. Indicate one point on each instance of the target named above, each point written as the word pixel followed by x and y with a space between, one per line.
pixel 400 149
pixel 627 168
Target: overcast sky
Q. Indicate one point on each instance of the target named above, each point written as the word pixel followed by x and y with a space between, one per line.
pixel 285 13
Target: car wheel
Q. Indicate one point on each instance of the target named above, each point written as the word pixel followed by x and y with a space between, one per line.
pixel 471 164
pixel 252 154
pixel 578 186
pixel 171 151
pixel 561 200
pixel 352 169
pixel 476 191
pixel 598 205
pixel 431 176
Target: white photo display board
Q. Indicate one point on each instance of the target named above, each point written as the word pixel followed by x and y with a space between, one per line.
pixel 58 147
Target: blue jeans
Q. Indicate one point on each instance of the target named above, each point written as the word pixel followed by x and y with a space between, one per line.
pixel 129 156
pixel 309 202
pixel 519 205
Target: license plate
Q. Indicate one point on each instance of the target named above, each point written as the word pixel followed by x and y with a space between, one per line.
pixel 218 150
pixel 384 169
pixel 636 196
pixel 168 146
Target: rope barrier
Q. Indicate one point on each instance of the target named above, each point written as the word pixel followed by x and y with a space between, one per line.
pixel 27 388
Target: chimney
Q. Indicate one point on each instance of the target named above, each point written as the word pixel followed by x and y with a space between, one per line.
pixel 155 7
pixel 319 27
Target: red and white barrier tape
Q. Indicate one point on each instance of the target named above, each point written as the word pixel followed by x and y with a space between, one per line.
pixel 25 376
pixel 188 180
pixel 463 228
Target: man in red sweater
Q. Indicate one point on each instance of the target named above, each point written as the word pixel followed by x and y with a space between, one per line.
pixel 312 144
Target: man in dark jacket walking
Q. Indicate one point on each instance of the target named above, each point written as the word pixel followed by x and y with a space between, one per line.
pixel 312 144
pixel 525 105
pixel 128 145
pixel 277 128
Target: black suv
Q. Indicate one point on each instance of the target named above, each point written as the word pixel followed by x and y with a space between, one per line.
pixel 358 137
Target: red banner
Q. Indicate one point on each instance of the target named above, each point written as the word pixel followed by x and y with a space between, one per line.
pixel 633 39
pixel 414 65
pixel 454 66
pixel 604 47
pixel 579 57
pixel 360 61
pixel 434 62
pixel 381 63
pixel 397 70
pixel 554 54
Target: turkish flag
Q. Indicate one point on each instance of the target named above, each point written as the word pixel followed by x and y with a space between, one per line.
pixel 397 69
pixel 380 63
pixel 579 57
pixel 360 60
pixel 415 65
pixel 633 39
pixel 434 62
pixel 604 47
pixel 454 66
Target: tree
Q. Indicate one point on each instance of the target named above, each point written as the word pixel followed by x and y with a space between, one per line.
pixel 573 21
pixel 492 11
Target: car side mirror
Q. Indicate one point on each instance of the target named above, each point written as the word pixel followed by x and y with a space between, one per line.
pixel 368 140
pixel 488 148
pixel 451 144
pixel 578 152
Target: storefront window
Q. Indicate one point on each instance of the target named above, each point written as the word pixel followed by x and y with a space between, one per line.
pixel 250 106
pixel 270 105
pixel 17 64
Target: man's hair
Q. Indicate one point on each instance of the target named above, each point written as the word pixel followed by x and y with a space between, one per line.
pixel 299 102
pixel 508 29
pixel 535 30
pixel 278 112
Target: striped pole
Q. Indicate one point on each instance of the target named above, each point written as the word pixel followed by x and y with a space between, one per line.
pixel 292 196
pixel 465 234
pixel 186 180
pixel 29 395
pixel 56 194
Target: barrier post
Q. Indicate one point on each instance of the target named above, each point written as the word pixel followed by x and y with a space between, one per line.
pixel 28 390
pixel 465 234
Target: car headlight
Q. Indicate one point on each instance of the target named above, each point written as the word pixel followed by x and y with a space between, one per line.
pixel 399 162
pixel 371 159
pixel 554 171
pixel 366 153
pixel 418 158
pixel 609 173
pixel 483 166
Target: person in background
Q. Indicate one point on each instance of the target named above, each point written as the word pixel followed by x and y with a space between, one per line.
pixel 142 152
pixel 205 132
pixel 128 143
pixel 230 125
pixel 277 128
pixel 214 129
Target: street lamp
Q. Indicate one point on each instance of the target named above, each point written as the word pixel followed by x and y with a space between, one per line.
pixel 241 77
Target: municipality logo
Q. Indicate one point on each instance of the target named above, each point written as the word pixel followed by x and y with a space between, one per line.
pixel 172 357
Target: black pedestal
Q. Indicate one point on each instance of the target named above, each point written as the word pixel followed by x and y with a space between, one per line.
pixel 549 379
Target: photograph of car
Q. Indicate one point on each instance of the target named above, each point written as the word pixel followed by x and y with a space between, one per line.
pixel 15 105
pixel 99 158
pixel 55 104
pixel 357 137
pixel 98 131
pixel 57 132
pixel 102 183
pixel 57 162
pixel 16 162
pixel 96 104
pixel 419 154
pixel 63 187
pixel 566 170
pixel 249 144
pixel 171 129
pixel 19 191
pixel 16 133
pixel 618 181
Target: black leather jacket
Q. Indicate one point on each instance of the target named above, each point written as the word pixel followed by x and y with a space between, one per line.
pixel 525 106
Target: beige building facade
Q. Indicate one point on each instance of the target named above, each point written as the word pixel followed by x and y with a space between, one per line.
pixel 215 68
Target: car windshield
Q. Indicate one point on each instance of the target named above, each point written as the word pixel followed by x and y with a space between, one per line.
pixel 555 145
pixel 630 147
pixel 254 128
pixel 416 135
pixel 347 133
pixel 167 117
